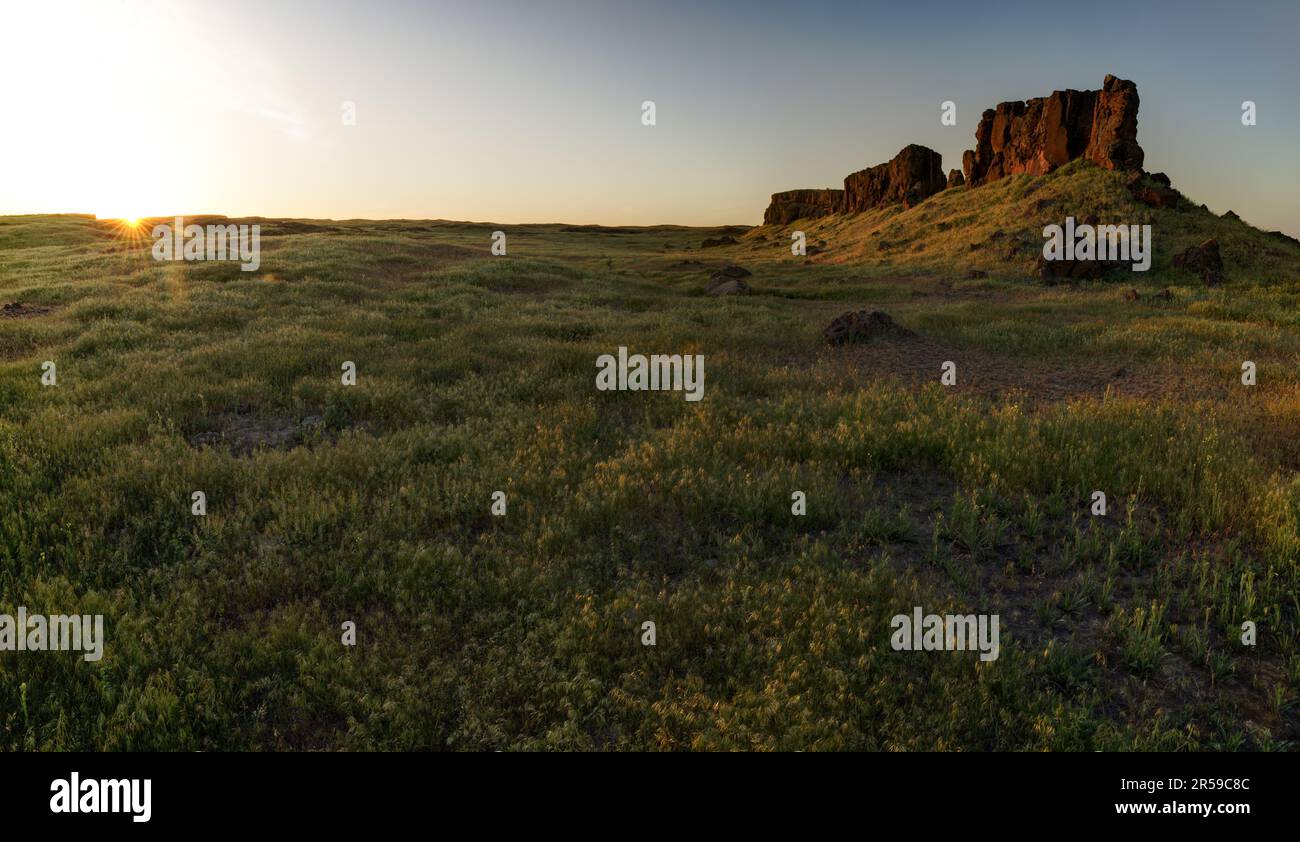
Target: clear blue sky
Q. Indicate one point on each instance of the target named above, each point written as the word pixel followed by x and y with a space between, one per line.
pixel 530 111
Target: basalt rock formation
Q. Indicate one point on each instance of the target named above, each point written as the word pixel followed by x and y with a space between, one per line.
pixel 1039 135
pixel 1035 136
pixel 913 175
pixel 802 204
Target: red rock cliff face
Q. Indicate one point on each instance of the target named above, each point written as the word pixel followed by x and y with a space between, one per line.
pixel 802 204
pixel 1042 134
pixel 914 174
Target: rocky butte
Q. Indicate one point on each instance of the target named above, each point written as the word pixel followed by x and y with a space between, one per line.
pixel 910 177
pixel 1042 134
pixel 1035 136
pixel 802 204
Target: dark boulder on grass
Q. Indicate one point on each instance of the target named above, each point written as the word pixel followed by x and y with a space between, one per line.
pixel 1204 259
pixel 729 280
pixel 714 242
pixel 1072 271
pixel 864 326
pixel 728 286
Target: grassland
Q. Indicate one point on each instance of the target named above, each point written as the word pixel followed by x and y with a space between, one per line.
pixel 370 503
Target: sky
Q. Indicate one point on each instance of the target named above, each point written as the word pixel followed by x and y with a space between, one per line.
pixel 532 111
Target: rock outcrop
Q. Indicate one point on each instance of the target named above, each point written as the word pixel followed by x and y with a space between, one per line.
pixel 1039 135
pixel 1152 190
pixel 1204 259
pixel 802 204
pixel 913 175
pixel 1035 137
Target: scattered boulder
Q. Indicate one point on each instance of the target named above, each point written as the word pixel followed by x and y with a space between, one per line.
pixel 1057 271
pixel 1231 215
pixel 802 204
pixel 1039 135
pixel 1163 295
pixel 727 286
pixel 955 178
pixel 1132 295
pixel 1204 259
pixel 729 280
pixel 863 326
pixel 712 242
pixel 1150 193
pixel 1160 178
pixel 975 274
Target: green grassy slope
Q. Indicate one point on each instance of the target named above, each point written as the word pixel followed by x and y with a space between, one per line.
pixel 976 227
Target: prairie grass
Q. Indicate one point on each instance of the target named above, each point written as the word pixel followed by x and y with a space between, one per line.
pixel 371 503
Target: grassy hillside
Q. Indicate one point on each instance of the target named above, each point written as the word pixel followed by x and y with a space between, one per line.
pixel 977 227
pixel 370 504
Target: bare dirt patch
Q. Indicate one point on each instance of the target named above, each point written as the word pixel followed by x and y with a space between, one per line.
pixel 244 434
pixel 918 360
pixel 19 310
